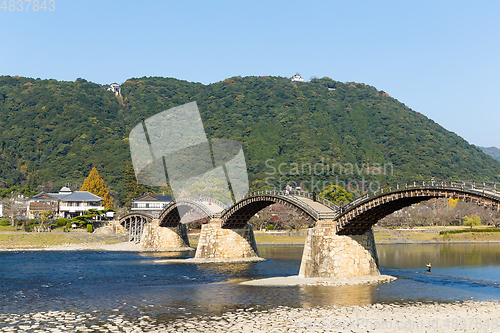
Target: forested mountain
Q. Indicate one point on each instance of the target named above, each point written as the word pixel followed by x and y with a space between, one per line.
pixel 54 132
pixel 492 151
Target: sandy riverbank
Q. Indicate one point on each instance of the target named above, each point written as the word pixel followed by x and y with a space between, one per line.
pixel 208 260
pixel 415 317
pixel 303 281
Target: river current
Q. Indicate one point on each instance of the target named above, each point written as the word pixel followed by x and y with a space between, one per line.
pixel 134 284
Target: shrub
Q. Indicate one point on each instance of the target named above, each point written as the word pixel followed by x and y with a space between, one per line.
pixel 61 222
pixel 270 227
pixel 453 232
pixel 68 225
pixel 89 227
pixel 4 223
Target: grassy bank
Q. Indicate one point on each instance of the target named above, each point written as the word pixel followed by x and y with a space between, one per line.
pixel 41 240
pixel 436 234
pixel 10 239
pixel 8 228
pixel 390 236
pixel 279 239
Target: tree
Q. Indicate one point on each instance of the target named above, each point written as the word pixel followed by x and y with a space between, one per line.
pixel 336 194
pixel 133 188
pixel 44 216
pixel 463 209
pixel 89 217
pixel 15 207
pixel 472 220
pixel 95 184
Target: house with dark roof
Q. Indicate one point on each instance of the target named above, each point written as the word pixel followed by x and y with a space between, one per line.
pixel 78 203
pixel 65 204
pixel 42 202
pixel 151 203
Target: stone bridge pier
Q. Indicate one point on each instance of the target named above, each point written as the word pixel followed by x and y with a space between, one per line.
pixel 224 243
pixel 329 255
pixel 158 238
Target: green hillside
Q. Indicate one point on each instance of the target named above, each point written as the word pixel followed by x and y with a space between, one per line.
pixel 492 151
pixel 54 132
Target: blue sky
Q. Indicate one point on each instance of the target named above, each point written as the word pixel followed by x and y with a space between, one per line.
pixel 440 58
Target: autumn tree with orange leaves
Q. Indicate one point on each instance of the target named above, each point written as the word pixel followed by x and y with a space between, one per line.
pixel 95 184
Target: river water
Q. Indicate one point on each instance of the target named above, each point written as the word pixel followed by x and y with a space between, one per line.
pixel 134 285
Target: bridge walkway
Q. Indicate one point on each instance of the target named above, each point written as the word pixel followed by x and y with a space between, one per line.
pixel 213 206
pixel 324 212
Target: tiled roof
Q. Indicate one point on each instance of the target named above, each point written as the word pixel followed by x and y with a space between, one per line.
pixel 48 196
pixel 75 196
pixel 81 196
pixel 43 197
pixel 58 195
pixel 65 190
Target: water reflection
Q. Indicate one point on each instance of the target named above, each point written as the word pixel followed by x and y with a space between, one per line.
pixel 281 252
pixel 135 284
pixel 416 256
pixel 339 296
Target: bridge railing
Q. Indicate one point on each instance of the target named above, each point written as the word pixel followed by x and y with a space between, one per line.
pixel 485 188
pixel 328 203
pixel 478 187
pixel 290 195
pixel 318 198
pixel 202 207
pixel 212 200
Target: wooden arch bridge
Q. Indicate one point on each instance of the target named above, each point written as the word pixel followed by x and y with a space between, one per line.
pixel 354 219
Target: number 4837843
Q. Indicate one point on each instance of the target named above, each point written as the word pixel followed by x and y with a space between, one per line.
pixel 20 5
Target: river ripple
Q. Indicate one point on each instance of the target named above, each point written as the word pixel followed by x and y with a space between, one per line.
pixel 132 284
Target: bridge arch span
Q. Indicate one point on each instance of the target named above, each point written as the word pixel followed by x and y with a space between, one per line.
pixel 172 214
pixel 134 223
pixel 135 214
pixel 238 215
pixel 360 215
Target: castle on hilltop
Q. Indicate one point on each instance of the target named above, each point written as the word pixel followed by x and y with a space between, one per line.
pixel 115 87
pixel 297 78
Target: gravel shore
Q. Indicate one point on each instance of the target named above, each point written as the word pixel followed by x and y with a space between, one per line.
pixel 415 317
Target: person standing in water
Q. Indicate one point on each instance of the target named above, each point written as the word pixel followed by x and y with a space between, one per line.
pixel 429 266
